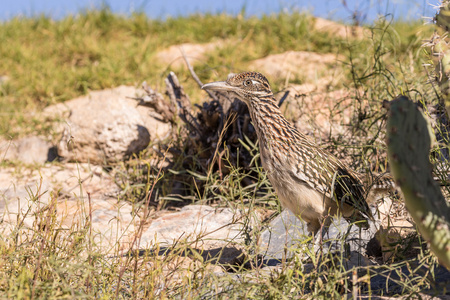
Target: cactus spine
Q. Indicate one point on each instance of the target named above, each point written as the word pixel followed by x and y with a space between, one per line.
pixel 409 139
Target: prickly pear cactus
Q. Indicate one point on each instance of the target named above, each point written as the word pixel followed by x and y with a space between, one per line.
pixel 440 51
pixel 442 18
pixel 409 139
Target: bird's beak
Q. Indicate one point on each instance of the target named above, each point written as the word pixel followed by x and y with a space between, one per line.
pixel 218 86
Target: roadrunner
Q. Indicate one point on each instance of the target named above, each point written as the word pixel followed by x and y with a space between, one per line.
pixel 310 182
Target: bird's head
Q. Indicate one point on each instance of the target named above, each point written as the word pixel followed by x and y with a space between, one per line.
pixel 246 86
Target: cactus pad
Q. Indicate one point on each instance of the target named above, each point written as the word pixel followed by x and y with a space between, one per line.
pixel 409 139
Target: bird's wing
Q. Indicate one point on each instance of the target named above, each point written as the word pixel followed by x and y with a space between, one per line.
pixel 326 174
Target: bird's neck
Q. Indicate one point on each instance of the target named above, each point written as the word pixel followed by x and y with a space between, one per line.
pixel 269 122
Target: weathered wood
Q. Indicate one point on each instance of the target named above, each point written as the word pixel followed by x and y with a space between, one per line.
pixel 156 101
pixel 182 102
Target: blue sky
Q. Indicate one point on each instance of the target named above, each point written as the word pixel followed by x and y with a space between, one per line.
pixel 333 9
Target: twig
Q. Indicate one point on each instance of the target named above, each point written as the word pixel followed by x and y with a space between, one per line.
pixel 181 101
pixel 194 75
pixel 283 98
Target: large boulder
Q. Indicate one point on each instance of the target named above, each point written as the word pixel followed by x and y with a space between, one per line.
pixel 194 53
pixel 207 226
pixel 300 65
pixel 340 30
pixel 65 195
pixel 105 126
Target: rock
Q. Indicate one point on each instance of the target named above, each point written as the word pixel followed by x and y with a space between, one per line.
pixel 29 150
pixel 194 53
pixel 113 223
pixel 314 110
pixel 20 203
pixel 76 195
pixel 37 187
pixel 398 236
pixel 286 233
pixel 105 126
pixel 393 214
pixel 303 65
pixel 283 233
pixel 70 195
pixel 204 226
pixel 340 30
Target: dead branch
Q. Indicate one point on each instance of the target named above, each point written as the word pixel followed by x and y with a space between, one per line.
pixel 156 101
pixel 194 75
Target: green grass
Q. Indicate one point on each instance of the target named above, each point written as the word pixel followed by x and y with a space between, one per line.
pixel 51 61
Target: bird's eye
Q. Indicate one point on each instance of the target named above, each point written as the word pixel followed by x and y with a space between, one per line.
pixel 247 82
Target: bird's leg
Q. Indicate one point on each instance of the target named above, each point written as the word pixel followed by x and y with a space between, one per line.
pixel 320 233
